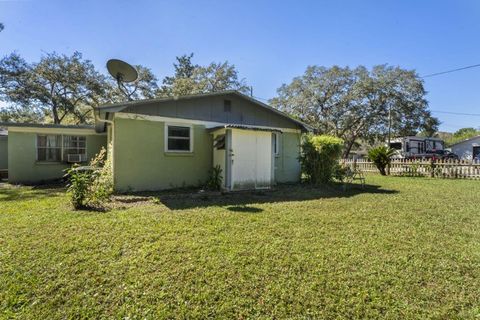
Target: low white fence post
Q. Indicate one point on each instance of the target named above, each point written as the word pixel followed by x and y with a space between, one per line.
pixel 447 169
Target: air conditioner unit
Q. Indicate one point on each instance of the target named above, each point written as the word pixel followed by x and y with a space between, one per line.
pixel 76 158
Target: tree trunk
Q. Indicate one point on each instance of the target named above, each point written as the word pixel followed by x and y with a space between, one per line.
pixel 56 119
pixel 383 172
pixel 348 148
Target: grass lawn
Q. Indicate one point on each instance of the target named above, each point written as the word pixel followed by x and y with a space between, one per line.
pixel 402 248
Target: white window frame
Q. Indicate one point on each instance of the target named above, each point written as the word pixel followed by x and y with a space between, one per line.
pixel 276 143
pixel 62 147
pixel 189 126
pixel 37 147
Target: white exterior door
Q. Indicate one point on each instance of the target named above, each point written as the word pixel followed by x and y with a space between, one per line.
pixel 251 159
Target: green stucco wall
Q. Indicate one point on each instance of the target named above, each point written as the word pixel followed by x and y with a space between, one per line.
pixel 140 162
pixel 287 166
pixel 3 152
pixel 22 164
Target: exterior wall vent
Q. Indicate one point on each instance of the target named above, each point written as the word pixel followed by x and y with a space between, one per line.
pixel 227 105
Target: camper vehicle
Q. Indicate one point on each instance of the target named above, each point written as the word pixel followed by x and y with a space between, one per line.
pixel 419 147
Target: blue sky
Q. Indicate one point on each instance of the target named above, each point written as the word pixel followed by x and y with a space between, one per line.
pixel 270 42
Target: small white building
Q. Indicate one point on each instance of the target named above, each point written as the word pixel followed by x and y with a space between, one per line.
pixel 468 149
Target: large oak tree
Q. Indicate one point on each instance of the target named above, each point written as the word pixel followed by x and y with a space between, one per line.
pixel 63 89
pixel 354 104
pixel 59 87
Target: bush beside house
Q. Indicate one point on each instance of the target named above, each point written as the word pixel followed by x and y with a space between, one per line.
pixel 319 157
pixel 92 186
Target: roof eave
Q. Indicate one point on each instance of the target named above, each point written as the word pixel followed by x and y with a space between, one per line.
pixel 43 125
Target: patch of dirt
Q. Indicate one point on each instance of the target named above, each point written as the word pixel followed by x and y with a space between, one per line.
pixel 126 201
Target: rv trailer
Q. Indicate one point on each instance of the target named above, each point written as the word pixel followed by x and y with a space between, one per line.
pixel 417 147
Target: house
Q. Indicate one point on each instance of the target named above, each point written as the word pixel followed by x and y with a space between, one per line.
pixel 172 142
pixel 468 149
pixel 40 153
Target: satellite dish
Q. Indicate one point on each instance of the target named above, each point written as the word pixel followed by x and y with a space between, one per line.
pixel 122 71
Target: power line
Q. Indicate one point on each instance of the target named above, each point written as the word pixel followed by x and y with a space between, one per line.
pixel 457 113
pixel 258 98
pixel 449 71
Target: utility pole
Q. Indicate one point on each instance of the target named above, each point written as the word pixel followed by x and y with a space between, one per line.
pixel 251 91
pixel 389 133
pixel 389 125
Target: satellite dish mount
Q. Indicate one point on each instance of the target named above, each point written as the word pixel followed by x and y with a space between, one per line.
pixel 123 73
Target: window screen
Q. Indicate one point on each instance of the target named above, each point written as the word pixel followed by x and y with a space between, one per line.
pixel 49 148
pixel 178 138
pixel 396 145
pixel 276 143
pixel 74 145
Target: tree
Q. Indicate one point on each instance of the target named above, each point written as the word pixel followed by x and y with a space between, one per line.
pixel 465 133
pixel 462 134
pixel 354 104
pixel 17 113
pixel 184 69
pixel 62 88
pixel 182 82
pixel 190 78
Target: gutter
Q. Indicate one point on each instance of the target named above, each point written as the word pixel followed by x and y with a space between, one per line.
pixel 105 121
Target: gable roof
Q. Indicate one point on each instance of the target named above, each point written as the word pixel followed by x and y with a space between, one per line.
pixel 117 107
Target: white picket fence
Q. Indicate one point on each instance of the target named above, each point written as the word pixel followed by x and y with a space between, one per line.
pixel 448 169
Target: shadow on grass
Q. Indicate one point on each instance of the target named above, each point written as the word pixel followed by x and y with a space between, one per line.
pixel 242 201
pixel 10 192
pixel 244 208
pixel 236 202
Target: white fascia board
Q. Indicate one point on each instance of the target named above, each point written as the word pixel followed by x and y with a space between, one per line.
pixel 64 131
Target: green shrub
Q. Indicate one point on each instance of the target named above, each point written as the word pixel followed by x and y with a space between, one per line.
pixel 92 185
pixel 381 157
pixel 214 181
pixel 319 157
pixel 340 172
pixel 102 183
pixel 78 189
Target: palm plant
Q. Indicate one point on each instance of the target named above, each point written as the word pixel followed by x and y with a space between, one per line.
pixel 381 157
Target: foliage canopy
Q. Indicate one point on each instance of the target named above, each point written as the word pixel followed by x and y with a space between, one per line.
pixel 354 104
pixel 58 88
pixel 190 78
pixel 63 89
pixel 462 134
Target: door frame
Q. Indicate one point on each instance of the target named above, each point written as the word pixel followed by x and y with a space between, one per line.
pixel 230 156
